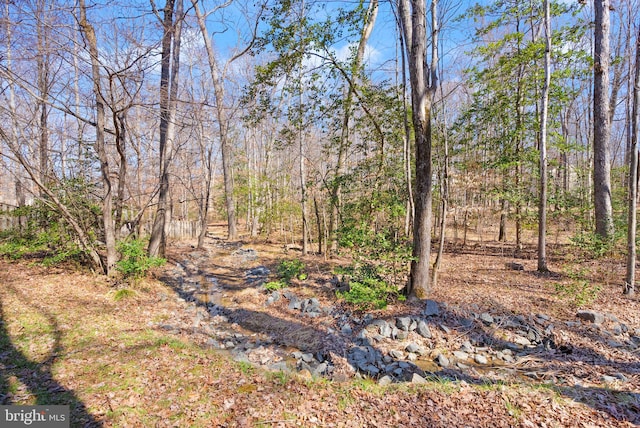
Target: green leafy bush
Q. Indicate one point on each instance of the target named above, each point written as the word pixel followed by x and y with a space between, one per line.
pixel 135 262
pixel 43 234
pixel 593 245
pixel 367 289
pixel 580 292
pixel 289 269
pixel 274 285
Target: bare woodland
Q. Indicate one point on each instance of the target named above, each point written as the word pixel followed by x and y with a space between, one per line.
pixel 514 121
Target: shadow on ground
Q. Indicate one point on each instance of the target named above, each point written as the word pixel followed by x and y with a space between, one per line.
pixel 20 375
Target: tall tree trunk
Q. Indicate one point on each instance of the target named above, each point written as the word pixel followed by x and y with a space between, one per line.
pixel 169 72
pixel 542 207
pixel 601 123
pixel 107 201
pixel 444 203
pixel 43 89
pixel 629 286
pixel 223 124
pixel 423 83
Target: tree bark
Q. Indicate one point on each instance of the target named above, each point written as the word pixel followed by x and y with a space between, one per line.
pixel 601 123
pixel 107 200
pixel 423 80
pixel 223 124
pixel 170 67
pixel 542 207
pixel 629 285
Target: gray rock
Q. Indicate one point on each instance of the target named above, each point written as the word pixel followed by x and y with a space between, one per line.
pixel 432 309
pixel 398 355
pixel 385 380
pixel 383 327
pixel 307 358
pixel 621 377
pixel 295 303
pixel 385 330
pixel 515 266
pixel 320 369
pixel 616 330
pixel 259 271
pixel 480 359
pixel 371 370
pixel 591 316
pixel 486 318
pixel 423 330
pixel 212 343
pixel 466 322
pixel 402 335
pixel 311 306
pixel 466 347
pixel 394 332
pixel 523 341
pixel 442 361
pixel 413 325
pixel 240 356
pixel 609 379
pixel 412 347
pixel 403 323
pixel 279 366
pixel 346 329
pixel 543 317
pixel 412 356
pixel 460 355
pixel 417 379
pixel 445 328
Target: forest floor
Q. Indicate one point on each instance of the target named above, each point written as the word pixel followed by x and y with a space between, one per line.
pixel 204 344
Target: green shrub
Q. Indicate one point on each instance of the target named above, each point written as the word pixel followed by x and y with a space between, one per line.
pixel 135 263
pixel 367 289
pixel 580 292
pixel 593 245
pixel 274 285
pixel 289 269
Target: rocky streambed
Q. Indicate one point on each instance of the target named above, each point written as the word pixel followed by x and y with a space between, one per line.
pixel 302 329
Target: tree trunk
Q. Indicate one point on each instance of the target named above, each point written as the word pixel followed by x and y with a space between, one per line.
pixel 601 123
pixel 629 286
pixel 169 73
pixel 223 124
pixel 542 207
pixel 107 201
pixel 43 90
pixel 423 83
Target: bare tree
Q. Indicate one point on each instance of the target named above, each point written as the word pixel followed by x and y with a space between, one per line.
pixel 423 78
pixel 544 113
pixel 602 122
pixel 107 201
pixel 629 285
pixel 170 67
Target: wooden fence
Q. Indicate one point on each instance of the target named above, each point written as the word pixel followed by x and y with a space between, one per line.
pixel 178 229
